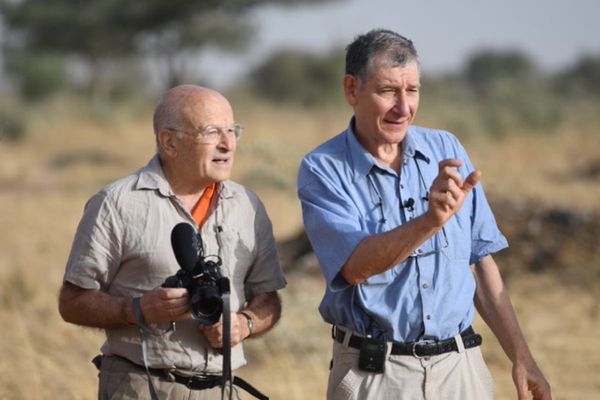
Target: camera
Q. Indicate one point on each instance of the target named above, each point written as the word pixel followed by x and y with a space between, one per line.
pixel 203 286
pixel 198 274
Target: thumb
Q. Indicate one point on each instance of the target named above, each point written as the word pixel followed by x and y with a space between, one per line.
pixel 520 384
pixel 471 181
pixel 522 393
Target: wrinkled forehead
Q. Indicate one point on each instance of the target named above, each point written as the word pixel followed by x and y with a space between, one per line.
pixel 386 60
pixel 387 71
pixel 394 59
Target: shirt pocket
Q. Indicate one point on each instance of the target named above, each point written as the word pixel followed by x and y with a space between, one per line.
pixel 458 235
pixel 382 278
pixel 237 256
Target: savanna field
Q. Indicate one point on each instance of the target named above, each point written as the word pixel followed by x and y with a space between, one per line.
pixel 70 149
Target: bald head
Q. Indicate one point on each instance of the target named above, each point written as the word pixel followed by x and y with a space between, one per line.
pixel 191 161
pixel 188 107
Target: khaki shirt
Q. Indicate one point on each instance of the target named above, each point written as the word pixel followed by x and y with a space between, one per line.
pixel 123 247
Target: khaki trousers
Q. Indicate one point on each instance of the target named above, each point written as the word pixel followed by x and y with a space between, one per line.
pixel 451 376
pixel 120 379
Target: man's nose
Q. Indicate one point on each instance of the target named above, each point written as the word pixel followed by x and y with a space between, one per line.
pixel 401 105
pixel 227 141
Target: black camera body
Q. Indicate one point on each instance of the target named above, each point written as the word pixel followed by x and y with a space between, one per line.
pixel 204 288
pixel 198 274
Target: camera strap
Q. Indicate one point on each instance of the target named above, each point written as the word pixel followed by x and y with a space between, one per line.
pixel 226 351
pixel 226 343
pixel 226 379
pixel 144 330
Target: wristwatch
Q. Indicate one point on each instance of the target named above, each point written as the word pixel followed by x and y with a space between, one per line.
pixel 250 322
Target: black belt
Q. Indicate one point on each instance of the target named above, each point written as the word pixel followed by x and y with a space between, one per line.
pixel 425 348
pixel 196 382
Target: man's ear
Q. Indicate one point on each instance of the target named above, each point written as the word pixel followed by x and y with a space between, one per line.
pixel 166 142
pixel 350 84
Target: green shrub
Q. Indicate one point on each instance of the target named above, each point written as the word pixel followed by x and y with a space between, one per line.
pixel 300 78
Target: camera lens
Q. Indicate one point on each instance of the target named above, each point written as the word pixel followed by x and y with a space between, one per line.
pixel 207 305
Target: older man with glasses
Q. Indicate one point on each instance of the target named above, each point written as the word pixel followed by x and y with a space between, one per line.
pixel 404 236
pixel 122 254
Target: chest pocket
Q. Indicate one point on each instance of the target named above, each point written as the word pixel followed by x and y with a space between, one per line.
pixel 458 232
pixel 237 256
pixel 382 278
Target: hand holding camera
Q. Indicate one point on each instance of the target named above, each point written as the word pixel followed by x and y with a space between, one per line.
pixel 199 275
pixel 214 333
pixel 162 305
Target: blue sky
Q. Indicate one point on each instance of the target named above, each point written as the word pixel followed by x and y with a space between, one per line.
pixel 553 32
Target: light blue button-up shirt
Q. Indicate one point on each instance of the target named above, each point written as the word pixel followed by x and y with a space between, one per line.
pixel 347 195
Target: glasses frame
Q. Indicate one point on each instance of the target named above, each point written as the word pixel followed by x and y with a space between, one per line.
pixel 421 253
pixel 212 133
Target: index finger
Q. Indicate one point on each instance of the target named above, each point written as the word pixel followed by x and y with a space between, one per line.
pixel 172 293
pixel 449 162
pixel 447 170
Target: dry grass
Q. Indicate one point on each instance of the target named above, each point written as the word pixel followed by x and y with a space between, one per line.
pixel 292 361
pixel 68 154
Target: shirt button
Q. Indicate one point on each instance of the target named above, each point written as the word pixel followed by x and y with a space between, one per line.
pixel 401 186
pixel 425 286
pixel 428 316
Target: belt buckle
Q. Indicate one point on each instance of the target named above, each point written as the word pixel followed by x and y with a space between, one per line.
pixel 422 343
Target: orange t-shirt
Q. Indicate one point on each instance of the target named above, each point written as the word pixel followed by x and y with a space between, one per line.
pixel 201 208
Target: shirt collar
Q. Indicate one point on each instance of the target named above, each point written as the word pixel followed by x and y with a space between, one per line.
pixel 414 146
pixel 226 190
pixel 362 161
pixel 152 177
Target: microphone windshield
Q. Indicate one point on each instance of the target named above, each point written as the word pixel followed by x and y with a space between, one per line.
pixel 185 245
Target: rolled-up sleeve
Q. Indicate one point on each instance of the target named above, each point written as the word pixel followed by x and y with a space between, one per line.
pixel 328 218
pixel 96 251
pixel 265 275
pixel 486 237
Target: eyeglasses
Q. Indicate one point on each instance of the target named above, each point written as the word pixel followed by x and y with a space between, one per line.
pixel 212 133
pixel 440 242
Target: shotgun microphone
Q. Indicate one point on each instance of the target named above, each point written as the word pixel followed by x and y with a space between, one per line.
pixel 185 246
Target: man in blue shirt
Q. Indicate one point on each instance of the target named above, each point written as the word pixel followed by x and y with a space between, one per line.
pixel 404 236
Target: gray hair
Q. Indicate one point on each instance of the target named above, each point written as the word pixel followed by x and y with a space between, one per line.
pixel 385 47
pixel 166 115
